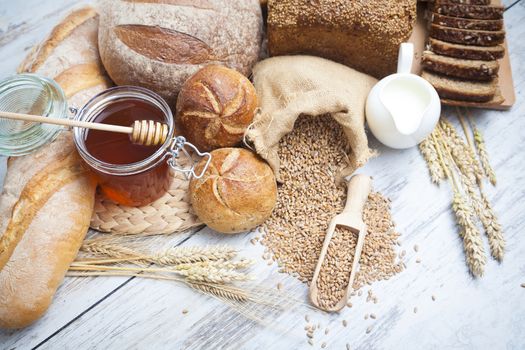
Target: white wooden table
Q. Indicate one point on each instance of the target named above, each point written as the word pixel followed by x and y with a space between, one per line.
pixel 489 313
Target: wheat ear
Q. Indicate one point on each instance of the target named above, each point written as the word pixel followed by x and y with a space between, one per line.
pixel 428 150
pixel 461 152
pixel 472 242
pixel 470 147
pixel 493 230
pixel 482 151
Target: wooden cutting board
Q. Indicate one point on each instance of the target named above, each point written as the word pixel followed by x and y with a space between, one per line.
pixel 506 84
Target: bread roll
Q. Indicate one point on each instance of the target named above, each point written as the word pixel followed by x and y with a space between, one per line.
pixel 237 192
pixel 214 107
pixel 47 200
pixel 158 44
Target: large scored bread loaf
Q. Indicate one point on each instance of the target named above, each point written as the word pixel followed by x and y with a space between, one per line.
pixel 158 44
pixel 364 35
pixel 47 199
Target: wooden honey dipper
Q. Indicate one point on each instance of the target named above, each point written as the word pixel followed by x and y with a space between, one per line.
pixel 141 132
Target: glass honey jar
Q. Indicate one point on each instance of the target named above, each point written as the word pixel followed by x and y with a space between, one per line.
pixel 127 173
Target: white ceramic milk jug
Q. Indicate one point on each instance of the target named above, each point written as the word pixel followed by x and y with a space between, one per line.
pixel 402 109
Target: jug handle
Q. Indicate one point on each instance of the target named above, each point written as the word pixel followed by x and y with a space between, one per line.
pixel 405 58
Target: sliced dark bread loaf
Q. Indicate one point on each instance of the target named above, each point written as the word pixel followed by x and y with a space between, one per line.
pixel 467 23
pixel 468 11
pixel 467 36
pixel 460 68
pixel 461 90
pixel 470 52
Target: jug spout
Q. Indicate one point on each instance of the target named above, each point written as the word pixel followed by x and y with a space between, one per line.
pixel 406 124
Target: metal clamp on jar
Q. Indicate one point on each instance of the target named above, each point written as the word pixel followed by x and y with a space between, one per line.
pixel 128 174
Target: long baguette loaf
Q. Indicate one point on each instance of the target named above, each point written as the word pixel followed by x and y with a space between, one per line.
pixel 47 200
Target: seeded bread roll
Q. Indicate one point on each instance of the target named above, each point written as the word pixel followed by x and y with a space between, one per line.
pixel 214 107
pixel 47 199
pixel 236 194
pixel 158 44
pixel 466 36
pixel 364 35
pixel 459 68
pixel 467 23
pixel 470 52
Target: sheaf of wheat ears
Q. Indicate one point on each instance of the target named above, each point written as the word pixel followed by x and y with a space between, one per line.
pixel 488 218
pixel 482 150
pixel 472 243
pixel 428 150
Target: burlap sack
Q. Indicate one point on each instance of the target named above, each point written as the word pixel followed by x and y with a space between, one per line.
pixel 288 86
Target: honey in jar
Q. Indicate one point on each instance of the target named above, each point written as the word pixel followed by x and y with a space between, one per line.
pixel 127 173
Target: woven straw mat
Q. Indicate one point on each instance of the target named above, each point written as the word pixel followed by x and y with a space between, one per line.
pixel 168 214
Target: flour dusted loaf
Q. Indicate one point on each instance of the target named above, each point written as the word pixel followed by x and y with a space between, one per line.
pixel 47 200
pixel 364 35
pixel 158 44
pixel 236 194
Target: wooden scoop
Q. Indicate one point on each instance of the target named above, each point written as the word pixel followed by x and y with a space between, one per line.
pixel 142 132
pixel 351 218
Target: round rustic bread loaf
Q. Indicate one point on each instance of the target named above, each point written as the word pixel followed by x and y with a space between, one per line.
pixel 237 192
pixel 214 107
pixel 158 44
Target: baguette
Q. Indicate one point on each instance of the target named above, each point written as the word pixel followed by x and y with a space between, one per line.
pixel 461 90
pixel 467 23
pixel 468 11
pixel 47 201
pixel 470 52
pixel 466 36
pixel 459 68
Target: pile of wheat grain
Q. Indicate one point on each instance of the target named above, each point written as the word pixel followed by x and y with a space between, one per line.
pixel 309 198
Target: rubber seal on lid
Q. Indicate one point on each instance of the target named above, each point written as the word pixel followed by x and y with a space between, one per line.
pixel 30 94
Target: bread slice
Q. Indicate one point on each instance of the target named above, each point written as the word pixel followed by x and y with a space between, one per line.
pixel 457 89
pixel 470 52
pixel 496 100
pixel 468 11
pixel 467 36
pixel 467 23
pixel 460 68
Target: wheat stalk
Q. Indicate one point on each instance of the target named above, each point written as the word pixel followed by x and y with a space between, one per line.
pixel 471 148
pixel 107 247
pixel 182 255
pixel 428 150
pixel 482 151
pixel 461 153
pixel 493 230
pixel 118 253
pixel 472 242
pixel 221 292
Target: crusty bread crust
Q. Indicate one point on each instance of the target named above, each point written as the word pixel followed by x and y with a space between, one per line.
pixel 40 53
pixel 47 201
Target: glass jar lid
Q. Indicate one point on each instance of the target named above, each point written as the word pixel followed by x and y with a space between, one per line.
pixel 30 94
